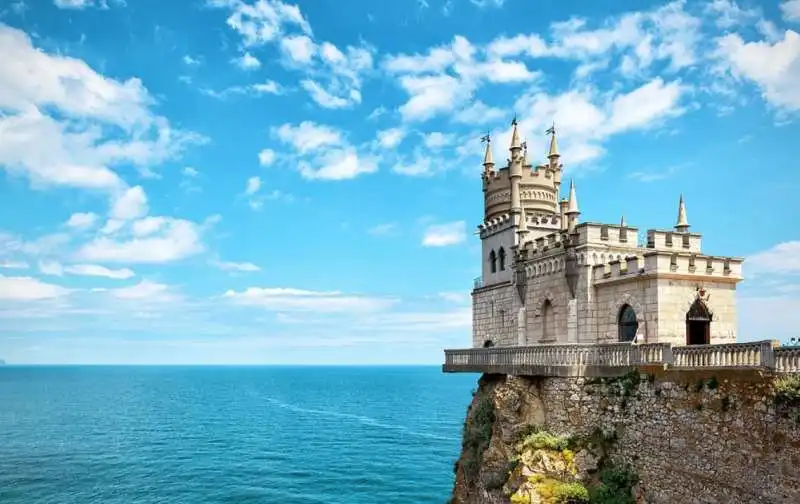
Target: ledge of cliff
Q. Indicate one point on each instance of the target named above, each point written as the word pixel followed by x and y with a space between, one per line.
pixel 652 436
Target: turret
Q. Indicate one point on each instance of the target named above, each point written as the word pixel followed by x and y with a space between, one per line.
pixel 553 156
pixel 515 173
pixel 563 210
pixel 682 226
pixel 488 160
pixel 572 208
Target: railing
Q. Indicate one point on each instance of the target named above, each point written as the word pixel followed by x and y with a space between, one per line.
pixel 612 358
pixel 787 359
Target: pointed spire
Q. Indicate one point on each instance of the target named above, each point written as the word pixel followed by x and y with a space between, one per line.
pixel 553 152
pixel 622 222
pixel 525 161
pixel 572 206
pixel 523 222
pixel 682 225
pixel 488 160
pixel 515 143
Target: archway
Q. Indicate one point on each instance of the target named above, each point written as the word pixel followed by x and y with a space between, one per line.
pixel 548 321
pixel 627 323
pixel 488 343
pixel 698 324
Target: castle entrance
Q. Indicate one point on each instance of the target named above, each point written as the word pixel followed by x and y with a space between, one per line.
pixel 698 324
pixel 627 324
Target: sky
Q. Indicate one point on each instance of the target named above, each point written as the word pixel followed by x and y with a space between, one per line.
pixel 258 181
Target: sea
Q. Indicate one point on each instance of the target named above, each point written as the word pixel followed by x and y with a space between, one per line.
pixel 202 435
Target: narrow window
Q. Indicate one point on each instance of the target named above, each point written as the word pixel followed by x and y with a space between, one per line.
pixel 502 259
pixel 493 261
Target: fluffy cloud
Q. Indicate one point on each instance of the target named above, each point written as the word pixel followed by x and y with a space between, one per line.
pixel 235 266
pixel 791 10
pixel 773 66
pixel 332 75
pixel 782 258
pixel 289 299
pixel 88 106
pixel 253 185
pixel 129 204
pixel 82 220
pixel 266 157
pixel 28 289
pixel 144 291
pixel 247 62
pixel 174 239
pixel 268 87
pixel 443 235
pixel 96 270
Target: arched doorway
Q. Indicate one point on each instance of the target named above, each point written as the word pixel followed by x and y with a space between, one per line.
pixel 488 343
pixel 548 321
pixel 698 324
pixel 627 323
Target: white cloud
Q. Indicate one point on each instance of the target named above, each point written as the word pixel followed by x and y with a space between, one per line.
pixel 267 87
pixel 308 136
pixel 791 10
pixel 266 157
pixel 727 13
pixel 262 21
pixel 96 270
pixel 14 265
pixel 299 49
pixel 28 289
pixel 130 204
pixel 83 4
pixel 148 225
pixel 478 113
pixel 782 258
pixel 325 99
pixel 190 172
pixel 773 66
pixel 175 240
pixel 92 122
pixel 289 299
pixel 337 164
pixel 443 235
pixel 82 220
pixel 51 268
pixel 437 140
pixel 253 185
pixel 391 138
pixel 234 266
pixel 247 62
pixel 190 61
pixel 456 297
pixel 145 291
pixel 482 4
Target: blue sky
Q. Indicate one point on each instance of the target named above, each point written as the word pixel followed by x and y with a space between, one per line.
pixel 230 181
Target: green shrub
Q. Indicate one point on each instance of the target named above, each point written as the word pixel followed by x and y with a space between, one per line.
pixel 570 493
pixel 787 390
pixel 544 440
pixel 615 487
pixel 477 435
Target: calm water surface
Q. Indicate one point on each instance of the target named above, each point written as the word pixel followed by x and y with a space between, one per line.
pixel 335 435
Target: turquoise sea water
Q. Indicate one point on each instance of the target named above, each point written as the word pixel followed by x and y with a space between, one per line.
pixel 333 435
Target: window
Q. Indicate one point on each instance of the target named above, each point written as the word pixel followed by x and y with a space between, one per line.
pixel 627 323
pixel 493 261
pixel 548 322
pixel 502 259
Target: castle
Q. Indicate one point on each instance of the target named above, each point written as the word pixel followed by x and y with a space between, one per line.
pixel 548 278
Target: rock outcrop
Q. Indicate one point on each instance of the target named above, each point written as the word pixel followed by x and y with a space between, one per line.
pixel 652 436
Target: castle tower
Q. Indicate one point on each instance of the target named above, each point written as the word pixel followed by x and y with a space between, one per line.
pixel 682 225
pixel 572 208
pixel 554 156
pixel 515 173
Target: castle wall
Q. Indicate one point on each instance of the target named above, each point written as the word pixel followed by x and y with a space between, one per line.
pixel 675 297
pixel 700 436
pixel 641 295
pixel 494 316
pixel 547 284
pixel 504 239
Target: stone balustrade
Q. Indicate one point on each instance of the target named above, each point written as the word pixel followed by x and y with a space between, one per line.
pixel 618 358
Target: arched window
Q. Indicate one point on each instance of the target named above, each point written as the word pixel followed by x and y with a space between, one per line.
pixel 548 322
pixel 488 343
pixel 698 324
pixel 627 323
pixel 493 261
pixel 502 259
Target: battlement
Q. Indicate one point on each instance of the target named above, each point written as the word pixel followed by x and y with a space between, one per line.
pixel 546 245
pixel 607 234
pixel 495 225
pixel 670 240
pixel 658 261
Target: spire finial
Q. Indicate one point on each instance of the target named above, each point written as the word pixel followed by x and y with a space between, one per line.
pixel 682 226
pixel 488 161
pixel 515 143
pixel 572 205
pixel 553 152
pixel 622 222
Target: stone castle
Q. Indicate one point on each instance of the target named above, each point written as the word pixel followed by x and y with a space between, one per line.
pixel 548 278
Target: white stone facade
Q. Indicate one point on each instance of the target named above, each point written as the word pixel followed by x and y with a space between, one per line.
pixel 565 282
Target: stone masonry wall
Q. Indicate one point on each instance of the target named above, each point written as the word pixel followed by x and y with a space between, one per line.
pixel 711 437
pixel 676 296
pixel 493 316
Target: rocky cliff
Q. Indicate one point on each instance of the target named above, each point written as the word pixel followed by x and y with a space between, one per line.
pixel 652 436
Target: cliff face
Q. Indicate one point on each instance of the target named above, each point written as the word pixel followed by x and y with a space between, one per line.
pixel 653 436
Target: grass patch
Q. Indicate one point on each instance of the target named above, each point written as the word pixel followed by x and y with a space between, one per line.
pixel 542 439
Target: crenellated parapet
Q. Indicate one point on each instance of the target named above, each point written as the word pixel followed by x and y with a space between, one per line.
pixel 495 225
pixel 658 263
pixel 592 233
pixel 670 240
